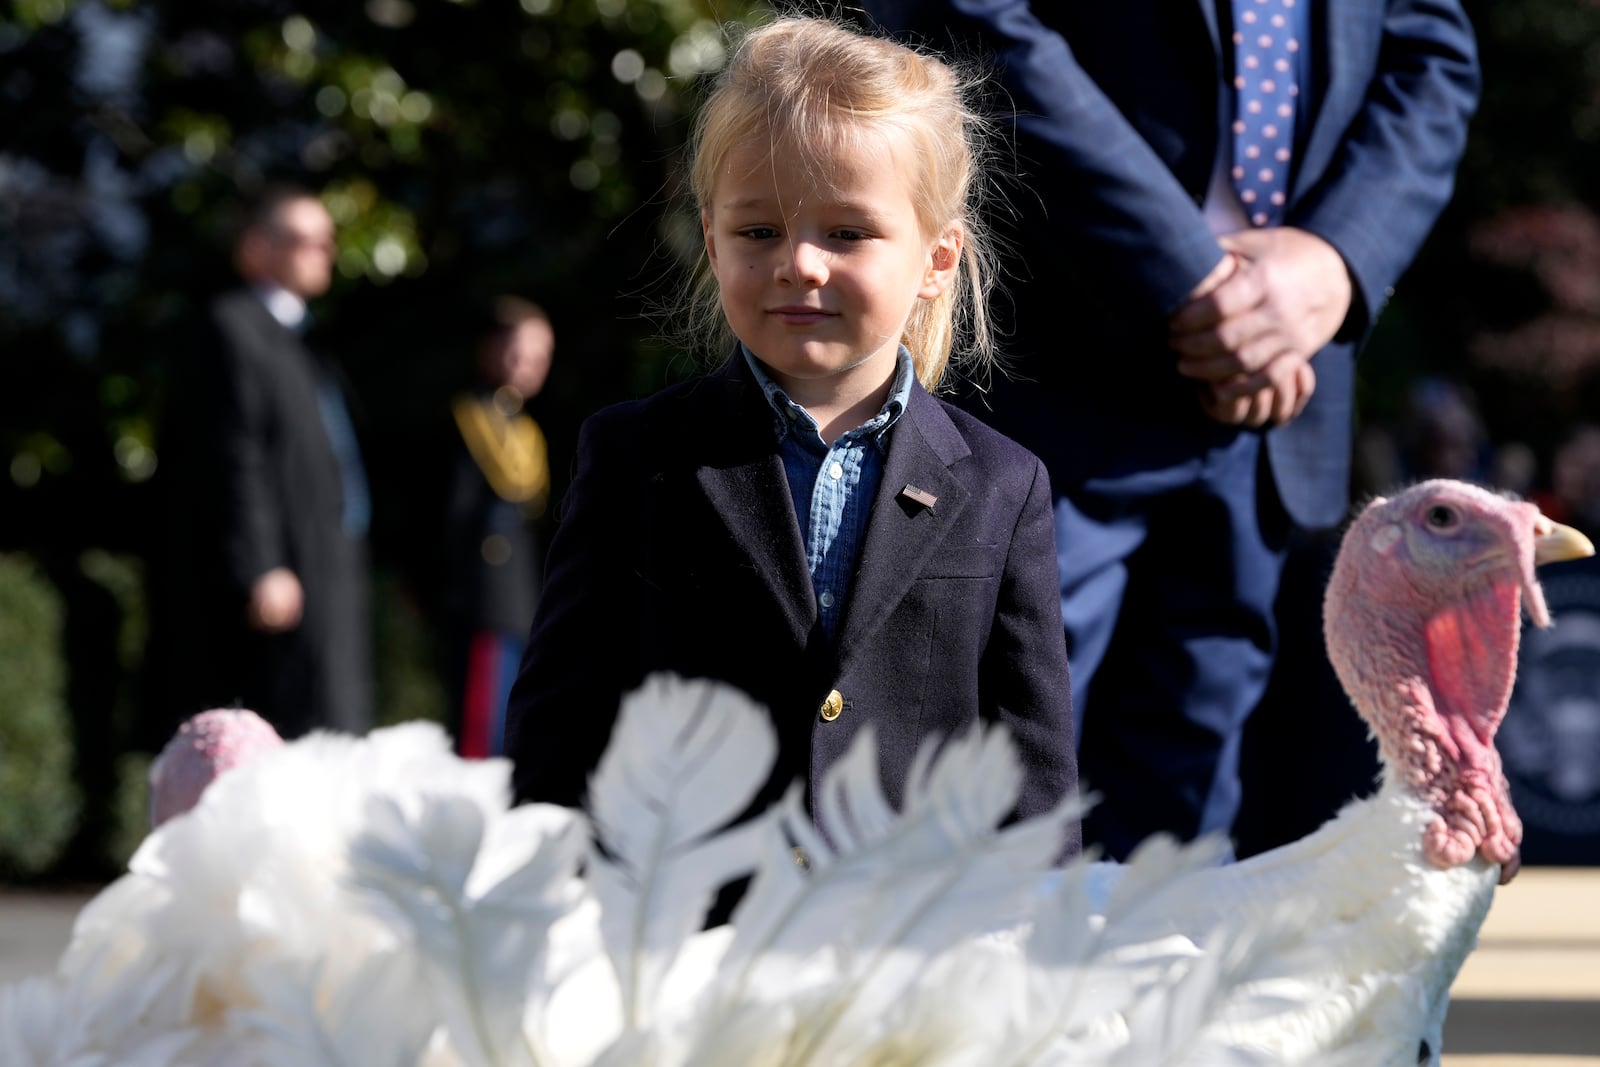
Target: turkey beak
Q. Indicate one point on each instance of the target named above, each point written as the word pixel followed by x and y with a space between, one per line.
pixel 1554 543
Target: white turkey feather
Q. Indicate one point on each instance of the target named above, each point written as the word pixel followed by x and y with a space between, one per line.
pixel 418 863
pixel 37 1024
pixel 684 760
pixel 80 1021
pixel 248 893
pixel 846 942
pixel 1172 1020
pixel 877 879
pixel 372 1020
pixel 479 900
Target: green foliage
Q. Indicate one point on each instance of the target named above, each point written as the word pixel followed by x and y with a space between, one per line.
pixel 1537 133
pixel 1506 301
pixel 405 657
pixel 466 148
pixel 122 577
pixel 38 803
pixel 123 817
pixel 36 13
pixel 130 809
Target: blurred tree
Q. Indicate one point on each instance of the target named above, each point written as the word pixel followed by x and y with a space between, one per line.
pixel 465 147
pixel 1507 296
pixel 469 146
pixel 38 800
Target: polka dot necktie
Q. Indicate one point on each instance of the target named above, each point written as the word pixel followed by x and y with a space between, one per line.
pixel 1266 94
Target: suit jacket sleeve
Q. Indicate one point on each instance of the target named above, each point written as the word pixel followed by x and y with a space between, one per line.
pixel 578 661
pixel 1395 166
pixel 1111 196
pixel 1375 203
pixel 242 427
pixel 1023 672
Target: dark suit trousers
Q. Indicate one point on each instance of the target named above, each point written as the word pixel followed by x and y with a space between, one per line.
pixel 1167 590
pixel 318 675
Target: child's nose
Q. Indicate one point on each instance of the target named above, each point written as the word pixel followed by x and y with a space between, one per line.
pixel 803 264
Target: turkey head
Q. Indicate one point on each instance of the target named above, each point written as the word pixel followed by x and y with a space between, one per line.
pixel 206 745
pixel 1422 619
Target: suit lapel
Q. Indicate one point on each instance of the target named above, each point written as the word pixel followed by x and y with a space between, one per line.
pixel 299 373
pixel 296 361
pixel 1346 38
pixel 902 534
pixel 1208 12
pixel 745 484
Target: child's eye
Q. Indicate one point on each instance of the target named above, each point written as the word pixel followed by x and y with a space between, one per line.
pixel 848 234
pixel 758 233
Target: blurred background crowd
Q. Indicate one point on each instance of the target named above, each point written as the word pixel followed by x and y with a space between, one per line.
pixel 472 148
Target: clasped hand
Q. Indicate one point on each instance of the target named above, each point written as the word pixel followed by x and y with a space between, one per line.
pixel 276 602
pixel 1248 331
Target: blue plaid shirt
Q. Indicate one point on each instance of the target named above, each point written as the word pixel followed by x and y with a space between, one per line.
pixel 833 486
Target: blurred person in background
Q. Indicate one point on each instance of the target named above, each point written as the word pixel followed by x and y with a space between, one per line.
pixel 1514 468
pixel 1574 495
pixel 267 585
pixel 496 498
pixel 1443 435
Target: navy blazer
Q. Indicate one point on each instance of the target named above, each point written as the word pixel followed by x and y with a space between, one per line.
pixel 1118 119
pixel 678 549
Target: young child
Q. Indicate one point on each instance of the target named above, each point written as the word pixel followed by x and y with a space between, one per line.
pixel 807 522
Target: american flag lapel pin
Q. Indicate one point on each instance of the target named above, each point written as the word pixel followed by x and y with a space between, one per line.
pixel 919 496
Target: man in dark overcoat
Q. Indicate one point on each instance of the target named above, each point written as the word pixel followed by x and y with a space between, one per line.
pixel 270 493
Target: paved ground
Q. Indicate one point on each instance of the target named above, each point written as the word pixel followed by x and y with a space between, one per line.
pixel 1528 997
pixel 34 928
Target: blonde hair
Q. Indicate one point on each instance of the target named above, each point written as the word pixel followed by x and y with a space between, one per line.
pixel 815 86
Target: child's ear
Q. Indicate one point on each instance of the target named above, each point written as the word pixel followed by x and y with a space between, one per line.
pixel 944 260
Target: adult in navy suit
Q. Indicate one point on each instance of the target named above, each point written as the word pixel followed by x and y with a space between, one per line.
pixel 1184 367
pixel 671 555
pixel 268 594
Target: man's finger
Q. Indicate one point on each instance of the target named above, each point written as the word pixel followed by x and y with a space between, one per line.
pixel 1260 408
pixel 1232 335
pixel 1306 378
pixel 1213 369
pixel 1284 402
pixel 1230 411
pixel 1233 297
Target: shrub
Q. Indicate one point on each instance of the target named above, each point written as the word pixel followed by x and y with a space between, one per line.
pixel 405 656
pixel 39 803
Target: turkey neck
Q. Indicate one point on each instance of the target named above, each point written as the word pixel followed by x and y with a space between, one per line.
pixel 1433 681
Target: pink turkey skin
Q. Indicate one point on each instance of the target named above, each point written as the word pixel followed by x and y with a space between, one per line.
pixel 203 748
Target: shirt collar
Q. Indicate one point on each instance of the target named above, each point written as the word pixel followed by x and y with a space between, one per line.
pixel 790 415
pixel 281 304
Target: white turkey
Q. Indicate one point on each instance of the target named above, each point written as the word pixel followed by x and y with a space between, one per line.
pixel 375 901
pixel 1422 620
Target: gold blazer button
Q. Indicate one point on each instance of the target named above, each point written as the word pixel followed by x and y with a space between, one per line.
pixel 832 706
